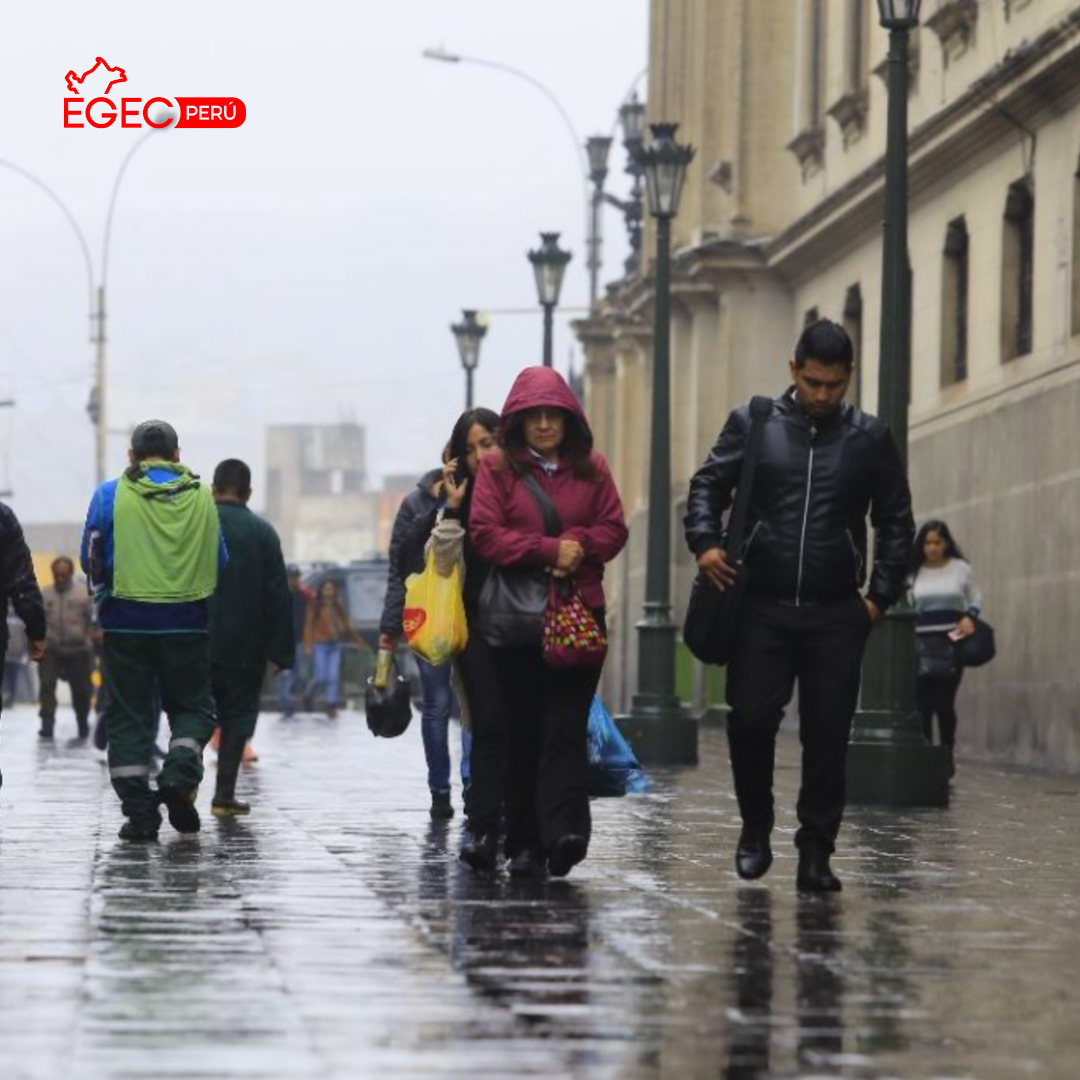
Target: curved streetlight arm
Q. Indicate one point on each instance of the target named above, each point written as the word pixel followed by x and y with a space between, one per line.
pixel 71 220
pixel 112 207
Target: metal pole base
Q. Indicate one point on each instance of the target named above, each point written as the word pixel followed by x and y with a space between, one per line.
pixel 890 772
pixel 660 732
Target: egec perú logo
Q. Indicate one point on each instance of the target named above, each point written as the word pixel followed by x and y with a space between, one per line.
pixel 101 111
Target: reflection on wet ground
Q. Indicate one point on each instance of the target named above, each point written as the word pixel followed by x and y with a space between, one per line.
pixel 333 934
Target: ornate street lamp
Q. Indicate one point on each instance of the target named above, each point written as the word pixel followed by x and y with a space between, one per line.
pixel 549 265
pixel 657 726
pixel 889 763
pixel 597 147
pixel 632 121
pixel 469 333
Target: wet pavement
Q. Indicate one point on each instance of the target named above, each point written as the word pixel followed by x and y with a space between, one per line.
pixel 332 933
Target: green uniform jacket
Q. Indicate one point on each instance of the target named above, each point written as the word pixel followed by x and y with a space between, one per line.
pixel 251 612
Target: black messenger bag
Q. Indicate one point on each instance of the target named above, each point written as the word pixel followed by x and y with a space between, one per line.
pixel 712 616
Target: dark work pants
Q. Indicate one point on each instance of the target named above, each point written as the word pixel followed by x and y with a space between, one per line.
pixel 937 697
pixel 547 719
pixel 74 668
pixel 137 666
pixel 821 646
pixel 237 695
pixel 483 699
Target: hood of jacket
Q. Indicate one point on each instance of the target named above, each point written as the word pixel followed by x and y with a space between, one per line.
pixel 537 387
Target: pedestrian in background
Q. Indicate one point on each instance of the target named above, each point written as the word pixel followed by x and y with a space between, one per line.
pixel 824 467
pixel 413 526
pixel 474 438
pixel 152 550
pixel 327 629
pixel 942 592
pixel 251 625
pixel 290 681
pixel 70 654
pixel 547 446
pixel 18 585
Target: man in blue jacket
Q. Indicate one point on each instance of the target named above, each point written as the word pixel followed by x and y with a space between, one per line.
pixel 151 550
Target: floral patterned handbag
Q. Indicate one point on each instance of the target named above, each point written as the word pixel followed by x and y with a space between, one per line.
pixel 572 636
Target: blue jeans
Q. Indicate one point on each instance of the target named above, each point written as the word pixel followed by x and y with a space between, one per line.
pixel 435 727
pixel 326 672
pixel 290 682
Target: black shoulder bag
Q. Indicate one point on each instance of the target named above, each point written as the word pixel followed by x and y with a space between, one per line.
pixel 514 599
pixel 712 616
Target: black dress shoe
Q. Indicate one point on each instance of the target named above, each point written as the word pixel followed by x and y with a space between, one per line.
pixel 526 864
pixel 753 856
pixel 480 852
pixel 140 830
pixel 814 874
pixel 566 853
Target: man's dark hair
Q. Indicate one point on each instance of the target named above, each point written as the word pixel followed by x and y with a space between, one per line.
pixel 233 476
pixel 827 343
pixel 62 560
pixel 154 439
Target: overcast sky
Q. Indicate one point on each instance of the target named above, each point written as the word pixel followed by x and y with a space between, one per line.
pixel 306 266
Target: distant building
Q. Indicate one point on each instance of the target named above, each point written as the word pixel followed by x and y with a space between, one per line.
pixel 316 492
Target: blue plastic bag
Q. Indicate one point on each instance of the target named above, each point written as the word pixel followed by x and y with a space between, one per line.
pixel 613 769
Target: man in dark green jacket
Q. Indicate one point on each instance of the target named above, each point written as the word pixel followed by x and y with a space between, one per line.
pixel 250 624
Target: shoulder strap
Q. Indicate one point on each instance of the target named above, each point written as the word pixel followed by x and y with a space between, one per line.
pixel 760 409
pixel 552 521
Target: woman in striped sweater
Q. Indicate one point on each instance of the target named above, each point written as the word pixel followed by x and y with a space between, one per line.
pixel 947 602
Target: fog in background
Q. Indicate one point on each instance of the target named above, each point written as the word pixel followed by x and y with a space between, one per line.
pixel 305 267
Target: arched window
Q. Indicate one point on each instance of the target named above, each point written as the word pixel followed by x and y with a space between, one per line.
pixel 1017 270
pixel 954 304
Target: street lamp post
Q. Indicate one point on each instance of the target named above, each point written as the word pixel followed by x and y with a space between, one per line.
pixel 97 406
pixel 597 147
pixel 632 120
pixel 549 265
pixel 658 727
pixel 889 763
pixel 469 333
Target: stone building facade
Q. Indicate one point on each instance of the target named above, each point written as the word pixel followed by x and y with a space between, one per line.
pixel 780 222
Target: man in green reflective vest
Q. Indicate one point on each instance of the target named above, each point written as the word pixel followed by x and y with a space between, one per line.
pixel 152 549
pixel 251 624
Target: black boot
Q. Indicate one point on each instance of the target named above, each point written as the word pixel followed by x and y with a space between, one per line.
pixel 527 863
pixel 566 853
pixel 141 829
pixel 230 756
pixel 183 816
pixel 753 855
pixel 815 874
pixel 441 807
pixel 480 851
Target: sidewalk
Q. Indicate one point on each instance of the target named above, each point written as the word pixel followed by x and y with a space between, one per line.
pixel 332 933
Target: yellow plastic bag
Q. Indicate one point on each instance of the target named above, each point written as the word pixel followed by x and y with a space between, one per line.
pixel 434 616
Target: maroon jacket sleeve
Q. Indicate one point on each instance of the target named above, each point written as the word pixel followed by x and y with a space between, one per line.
pixel 493 539
pixel 607 536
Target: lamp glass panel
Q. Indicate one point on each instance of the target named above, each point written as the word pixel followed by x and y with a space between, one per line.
pixel 665 183
pixel 548 282
pixel 469 350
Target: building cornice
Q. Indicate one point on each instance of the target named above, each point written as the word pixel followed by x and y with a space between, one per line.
pixel 1033 83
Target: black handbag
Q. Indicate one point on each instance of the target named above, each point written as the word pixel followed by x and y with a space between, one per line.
pixel 514 600
pixel 978 648
pixel 712 616
pixel 935 656
pixel 388 708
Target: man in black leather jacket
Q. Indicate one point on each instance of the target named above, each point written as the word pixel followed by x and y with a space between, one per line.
pixel 824 467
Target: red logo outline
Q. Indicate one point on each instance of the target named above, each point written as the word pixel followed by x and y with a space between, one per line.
pixel 108 67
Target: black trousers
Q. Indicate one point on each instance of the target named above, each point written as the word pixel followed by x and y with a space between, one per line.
pixel 487 762
pixel 547 720
pixel 74 668
pixel 821 646
pixel 937 697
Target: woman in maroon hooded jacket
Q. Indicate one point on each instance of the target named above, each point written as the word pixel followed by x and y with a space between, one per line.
pixel 544 433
